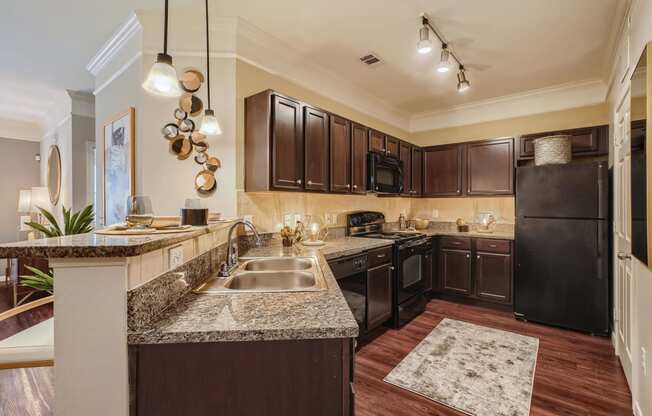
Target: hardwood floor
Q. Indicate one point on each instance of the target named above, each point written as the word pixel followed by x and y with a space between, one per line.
pixel 29 391
pixel 576 374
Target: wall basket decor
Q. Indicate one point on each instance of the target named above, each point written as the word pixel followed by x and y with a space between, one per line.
pixel 184 136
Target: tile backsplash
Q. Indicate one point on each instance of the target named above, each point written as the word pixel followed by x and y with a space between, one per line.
pixel 268 209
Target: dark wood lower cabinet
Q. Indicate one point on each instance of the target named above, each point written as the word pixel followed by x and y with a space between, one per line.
pixel 493 277
pixel 272 378
pixel 455 270
pixel 475 269
pixel 379 295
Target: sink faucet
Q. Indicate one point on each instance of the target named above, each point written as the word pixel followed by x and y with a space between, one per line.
pixel 232 254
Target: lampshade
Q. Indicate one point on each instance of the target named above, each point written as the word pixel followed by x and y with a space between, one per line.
pixel 24 201
pixel 162 78
pixel 209 124
pixel 40 198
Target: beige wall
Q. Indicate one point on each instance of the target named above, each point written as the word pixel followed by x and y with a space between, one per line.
pixel 450 209
pixel 557 120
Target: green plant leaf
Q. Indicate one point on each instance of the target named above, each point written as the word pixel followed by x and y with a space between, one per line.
pixel 66 220
pixel 39 281
pixel 42 228
pixel 53 222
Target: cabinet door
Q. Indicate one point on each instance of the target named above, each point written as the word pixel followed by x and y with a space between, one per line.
pixel 359 150
pixel 287 144
pixel 584 141
pixel 315 126
pixel 377 142
pixel 490 167
pixel 392 146
pixel 417 171
pixel 493 277
pixel 379 295
pixel 442 172
pixel 405 156
pixel 455 271
pixel 340 143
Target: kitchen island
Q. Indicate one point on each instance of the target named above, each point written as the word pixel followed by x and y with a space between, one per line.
pixel 131 337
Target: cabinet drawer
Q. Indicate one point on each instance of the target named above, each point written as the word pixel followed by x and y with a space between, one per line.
pixel 378 257
pixel 460 243
pixel 493 246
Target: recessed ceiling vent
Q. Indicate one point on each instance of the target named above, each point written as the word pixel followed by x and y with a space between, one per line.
pixel 371 59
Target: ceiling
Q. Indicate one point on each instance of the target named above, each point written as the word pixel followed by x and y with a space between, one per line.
pixel 508 46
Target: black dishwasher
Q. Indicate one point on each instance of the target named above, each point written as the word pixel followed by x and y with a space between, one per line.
pixel 351 275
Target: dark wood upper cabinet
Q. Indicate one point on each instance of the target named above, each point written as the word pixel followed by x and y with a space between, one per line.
pixel 316 144
pixel 273 143
pixel 359 150
pixel 587 141
pixel 417 171
pixel 405 156
pixel 392 146
pixel 455 271
pixel 443 170
pixel 377 141
pixel 340 149
pixel 490 167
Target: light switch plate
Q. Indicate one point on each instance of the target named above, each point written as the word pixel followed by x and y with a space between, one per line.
pixel 175 257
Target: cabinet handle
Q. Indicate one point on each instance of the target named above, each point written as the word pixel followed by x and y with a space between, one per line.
pixel 468 256
pixel 309 183
pixel 380 256
pixel 478 256
pixel 355 186
pixel 391 268
pixel 492 245
pixel 298 181
pixel 623 256
pixel 348 185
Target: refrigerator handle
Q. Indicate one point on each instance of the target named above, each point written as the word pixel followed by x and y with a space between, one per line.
pixel 600 250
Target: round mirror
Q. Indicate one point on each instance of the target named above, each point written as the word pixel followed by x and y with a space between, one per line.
pixel 54 174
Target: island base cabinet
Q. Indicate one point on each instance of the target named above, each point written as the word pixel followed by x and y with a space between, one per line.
pixel 272 378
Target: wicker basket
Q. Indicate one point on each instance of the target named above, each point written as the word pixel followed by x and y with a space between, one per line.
pixel 552 150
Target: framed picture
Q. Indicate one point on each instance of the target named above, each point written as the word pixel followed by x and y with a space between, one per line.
pixel 119 165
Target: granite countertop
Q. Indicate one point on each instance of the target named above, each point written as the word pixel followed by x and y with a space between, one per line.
pixel 264 316
pixel 98 245
pixel 503 235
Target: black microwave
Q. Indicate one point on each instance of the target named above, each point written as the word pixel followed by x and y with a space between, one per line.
pixel 385 174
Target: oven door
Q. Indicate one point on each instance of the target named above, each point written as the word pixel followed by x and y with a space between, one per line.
pixel 414 268
pixel 385 174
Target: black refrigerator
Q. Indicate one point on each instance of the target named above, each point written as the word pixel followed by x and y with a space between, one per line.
pixel 562 246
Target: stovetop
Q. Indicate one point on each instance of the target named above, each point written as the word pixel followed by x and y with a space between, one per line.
pixel 397 235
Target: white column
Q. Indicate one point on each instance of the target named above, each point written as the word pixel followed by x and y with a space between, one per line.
pixel 90 337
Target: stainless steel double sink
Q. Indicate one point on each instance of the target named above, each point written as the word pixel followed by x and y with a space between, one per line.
pixel 269 274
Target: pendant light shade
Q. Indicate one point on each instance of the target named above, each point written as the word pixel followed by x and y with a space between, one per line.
pixel 209 124
pixel 444 60
pixel 162 78
pixel 463 84
pixel 424 45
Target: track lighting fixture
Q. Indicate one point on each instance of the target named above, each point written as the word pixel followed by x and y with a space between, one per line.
pixel 447 58
pixel 209 124
pixel 444 60
pixel 463 84
pixel 162 77
pixel 424 46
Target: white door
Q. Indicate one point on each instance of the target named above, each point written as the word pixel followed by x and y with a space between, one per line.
pixel 622 237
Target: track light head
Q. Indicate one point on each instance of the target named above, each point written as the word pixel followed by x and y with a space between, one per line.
pixel 463 84
pixel 424 46
pixel 444 60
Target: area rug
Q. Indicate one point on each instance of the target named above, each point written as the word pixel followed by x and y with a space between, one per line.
pixel 477 370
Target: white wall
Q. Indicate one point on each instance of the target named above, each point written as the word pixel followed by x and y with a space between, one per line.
pixel 639 35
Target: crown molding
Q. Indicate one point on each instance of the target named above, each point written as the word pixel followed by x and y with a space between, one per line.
pixel 542 100
pixel 114 44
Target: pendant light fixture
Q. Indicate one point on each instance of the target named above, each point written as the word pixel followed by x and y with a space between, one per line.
pixel 162 77
pixel 463 84
pixel 209 124
pixel 424 46
pixel 444 60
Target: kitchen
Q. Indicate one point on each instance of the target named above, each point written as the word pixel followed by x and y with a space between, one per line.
pixel 358 266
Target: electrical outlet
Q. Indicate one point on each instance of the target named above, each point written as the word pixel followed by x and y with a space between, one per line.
pixel 435 213
pixel 175 257
pixel 333 218
pixel 644 360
